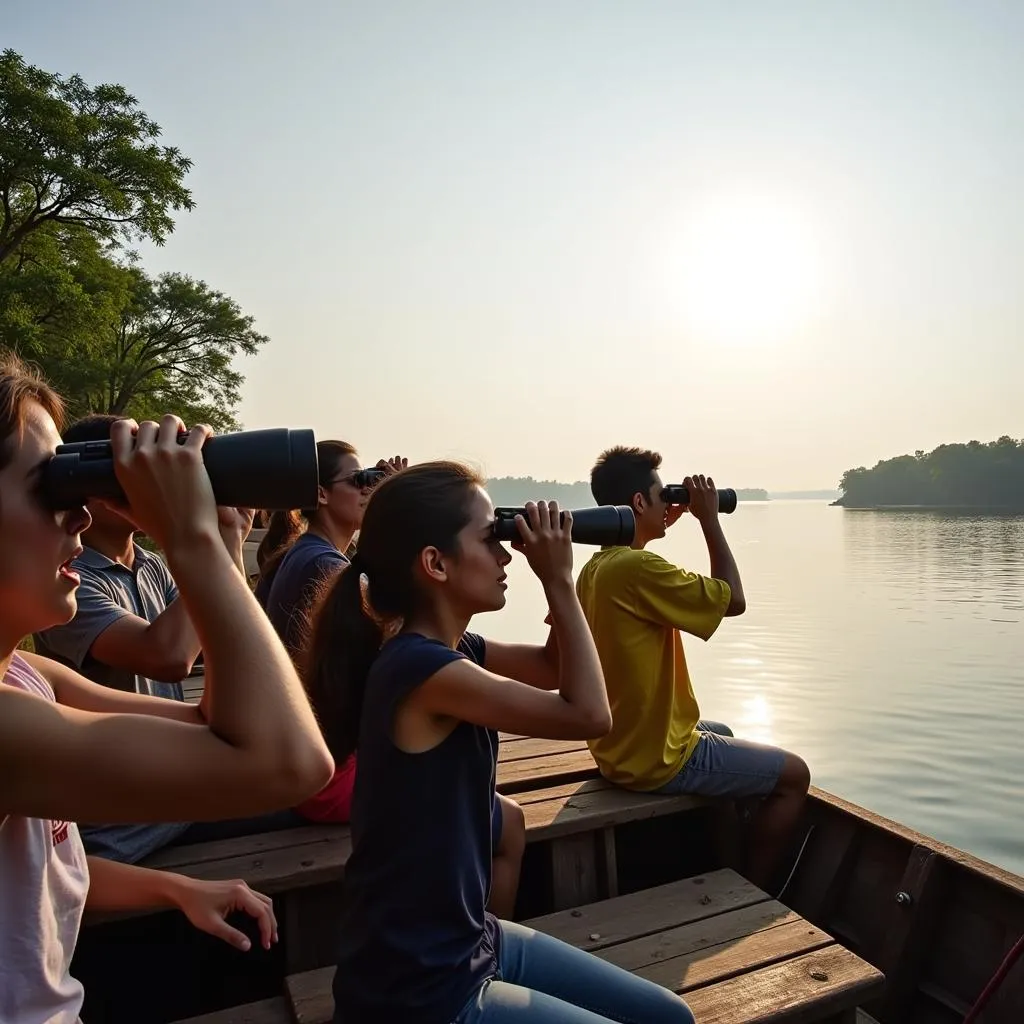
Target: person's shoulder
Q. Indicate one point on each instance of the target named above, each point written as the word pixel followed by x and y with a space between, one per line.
pixel 474 647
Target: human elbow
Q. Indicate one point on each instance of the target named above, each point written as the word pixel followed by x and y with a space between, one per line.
pixel 169 670
pixel 598 724
pixel 302 773
pixel 737 605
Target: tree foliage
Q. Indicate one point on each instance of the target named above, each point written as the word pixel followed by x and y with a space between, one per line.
pixel 81 174
pixel 972 474
pixel 74 154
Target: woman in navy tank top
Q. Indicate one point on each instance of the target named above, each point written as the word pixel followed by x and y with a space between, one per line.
pixel 398 679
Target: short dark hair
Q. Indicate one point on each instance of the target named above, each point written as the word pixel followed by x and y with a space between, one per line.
pixel 622 471
pixel 94 427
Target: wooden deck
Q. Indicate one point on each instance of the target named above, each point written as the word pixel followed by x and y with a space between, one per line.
pixel 735 955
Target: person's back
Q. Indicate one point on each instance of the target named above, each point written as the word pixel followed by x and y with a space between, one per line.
pixel 636 603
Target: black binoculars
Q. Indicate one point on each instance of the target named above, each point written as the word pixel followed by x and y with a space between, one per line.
pixel 606 526
pixel 368 477
pixel 260 469
pixel 677 494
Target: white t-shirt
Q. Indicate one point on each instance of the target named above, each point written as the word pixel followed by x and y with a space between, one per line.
pixel 44 879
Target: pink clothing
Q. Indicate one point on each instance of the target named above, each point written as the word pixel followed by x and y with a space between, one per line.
pixel 44 879
pixel 333 804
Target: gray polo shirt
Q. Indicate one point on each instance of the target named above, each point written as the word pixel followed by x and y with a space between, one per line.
pixel 108 592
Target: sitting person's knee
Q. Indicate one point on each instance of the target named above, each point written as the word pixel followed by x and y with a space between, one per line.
pixel 513 826
pixel 795 777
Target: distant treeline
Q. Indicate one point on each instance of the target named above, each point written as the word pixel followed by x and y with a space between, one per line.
pixel 974 474
pixel 517 490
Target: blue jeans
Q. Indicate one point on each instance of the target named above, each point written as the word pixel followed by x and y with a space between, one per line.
pixel 544 980
pixel 725 767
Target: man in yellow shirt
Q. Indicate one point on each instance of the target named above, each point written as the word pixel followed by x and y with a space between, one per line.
pixel 637 605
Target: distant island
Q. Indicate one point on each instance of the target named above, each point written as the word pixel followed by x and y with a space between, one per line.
pixel 517 490
pixel 972 475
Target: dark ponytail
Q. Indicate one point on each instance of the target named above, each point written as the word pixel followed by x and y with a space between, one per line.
pixel 423 506
pixel 286 528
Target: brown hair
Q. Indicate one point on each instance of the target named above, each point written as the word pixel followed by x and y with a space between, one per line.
pixel 19 385
pixel 286 527
pixel 621 472
pixel 423 506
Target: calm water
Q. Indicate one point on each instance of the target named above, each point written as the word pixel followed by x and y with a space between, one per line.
pixel 887 648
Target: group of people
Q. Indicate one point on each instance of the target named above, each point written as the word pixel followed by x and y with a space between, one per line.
pixel 346 688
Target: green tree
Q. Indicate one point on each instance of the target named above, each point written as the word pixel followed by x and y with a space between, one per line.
pixel 75 154
pixel 172 348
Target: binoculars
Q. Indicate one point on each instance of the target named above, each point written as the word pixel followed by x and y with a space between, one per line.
pixel 677 494
pixel 368 477
pixel 605 526
pixel 259 469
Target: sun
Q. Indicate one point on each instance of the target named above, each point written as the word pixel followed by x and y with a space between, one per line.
pixel 748 270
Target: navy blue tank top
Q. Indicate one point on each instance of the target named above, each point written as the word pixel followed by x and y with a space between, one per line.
pixel 416 941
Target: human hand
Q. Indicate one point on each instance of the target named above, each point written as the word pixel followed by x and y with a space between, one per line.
pixel 393 465
pixel 235 524
pixel 168 492
pixel 207 905
pixel 703 503
pixel 546 541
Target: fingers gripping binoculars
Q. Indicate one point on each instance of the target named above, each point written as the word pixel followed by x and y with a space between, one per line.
pixel 605 526
pixel 677 494
pixel 259 469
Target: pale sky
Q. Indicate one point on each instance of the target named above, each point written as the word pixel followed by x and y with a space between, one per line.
pixel 772 239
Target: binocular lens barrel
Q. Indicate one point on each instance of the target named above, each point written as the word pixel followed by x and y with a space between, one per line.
pixel 261 469
pixel 677 494
pixel 605 526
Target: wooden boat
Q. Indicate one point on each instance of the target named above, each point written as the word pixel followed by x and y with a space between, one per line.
pixel 863 893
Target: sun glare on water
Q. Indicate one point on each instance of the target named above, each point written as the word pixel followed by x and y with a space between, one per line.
pixel 747 271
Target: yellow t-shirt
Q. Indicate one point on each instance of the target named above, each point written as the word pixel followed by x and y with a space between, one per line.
pixel 636 603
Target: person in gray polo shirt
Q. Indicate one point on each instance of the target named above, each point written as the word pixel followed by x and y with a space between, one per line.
pixel 132 632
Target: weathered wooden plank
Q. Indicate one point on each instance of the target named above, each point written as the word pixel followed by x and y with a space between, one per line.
pixel 310 996
pixel 575 873
pixel 598 808
pixel 739 955
pixel 869 818
pixel 650 910
pixel 266 1011
pixel 517 750
pixel 553 769
pixel 913 915
pixel 803 990
pixel 181 858
pixel 827 862
pixel 707 932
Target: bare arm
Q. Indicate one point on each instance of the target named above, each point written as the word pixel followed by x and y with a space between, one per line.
pixel 527 663
pixel 75 691
pixel 723 566
pixel 704 506
pixel 579 709
pixel 114 886
pixel 260 748
pixel 165 648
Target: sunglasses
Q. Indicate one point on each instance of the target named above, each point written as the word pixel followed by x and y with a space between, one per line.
pixel 361 479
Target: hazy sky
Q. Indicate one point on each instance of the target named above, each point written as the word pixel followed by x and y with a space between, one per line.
pixel 774 240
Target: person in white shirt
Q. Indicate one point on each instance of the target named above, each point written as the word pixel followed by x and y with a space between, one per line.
pixel 71 750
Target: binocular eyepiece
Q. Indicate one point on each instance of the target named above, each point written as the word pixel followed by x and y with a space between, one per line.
pixel 677 494
pixel 605 526
pixel 259 469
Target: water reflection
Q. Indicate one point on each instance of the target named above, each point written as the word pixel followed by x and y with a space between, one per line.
pixel 886 648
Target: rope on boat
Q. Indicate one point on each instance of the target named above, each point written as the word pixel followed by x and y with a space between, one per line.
pixel 995 981
pixel 796 864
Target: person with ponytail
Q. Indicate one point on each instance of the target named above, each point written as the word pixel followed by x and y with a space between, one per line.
pixel 395 677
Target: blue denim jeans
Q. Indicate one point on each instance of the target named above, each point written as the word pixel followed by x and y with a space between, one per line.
pixel 544 980
pixel 726 767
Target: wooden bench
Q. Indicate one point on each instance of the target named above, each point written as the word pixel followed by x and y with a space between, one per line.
pixel 736 955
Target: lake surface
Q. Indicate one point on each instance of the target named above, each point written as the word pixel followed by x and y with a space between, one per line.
pixel 887 648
